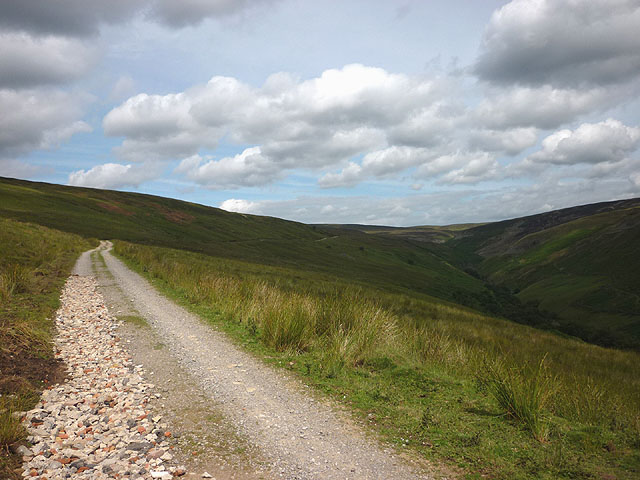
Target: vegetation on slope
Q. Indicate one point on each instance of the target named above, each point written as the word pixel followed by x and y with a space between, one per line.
pixel 486 395
pixel 573 270
pixel 585 270
pixel 34 263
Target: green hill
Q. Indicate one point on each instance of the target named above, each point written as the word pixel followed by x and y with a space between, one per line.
pixel 393 264
pixel 577 267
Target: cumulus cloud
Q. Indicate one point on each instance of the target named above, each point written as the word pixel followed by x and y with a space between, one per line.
pixel 112 175
pixel 544 107
pixel 567 43
pixel 312 124
pixel 604 142
pixel 441 207
pixel 241 206
pixel 29 61
pixel 366 121
pixel 247 169
pixel 482 167
pixel 511 141
pixel 10 167
pixel 38 119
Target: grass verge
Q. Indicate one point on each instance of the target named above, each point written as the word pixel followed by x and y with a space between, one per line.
pixel 418 373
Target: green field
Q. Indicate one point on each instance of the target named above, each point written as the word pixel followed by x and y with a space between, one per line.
pixel 393 322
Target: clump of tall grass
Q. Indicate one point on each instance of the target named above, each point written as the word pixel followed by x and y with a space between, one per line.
pixel 359 332
pixel 523 393
pixel 288 326
pixel 11 430
pixel 14 279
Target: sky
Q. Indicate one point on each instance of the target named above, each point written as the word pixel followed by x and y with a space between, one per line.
pixel 407 112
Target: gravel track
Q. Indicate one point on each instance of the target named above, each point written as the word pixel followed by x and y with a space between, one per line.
pixel 299 436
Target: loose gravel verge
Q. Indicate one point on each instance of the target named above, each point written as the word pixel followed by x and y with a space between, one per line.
pixel 96 425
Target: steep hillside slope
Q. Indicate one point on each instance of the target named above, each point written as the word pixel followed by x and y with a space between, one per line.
pixel 579 263
pixel 578 267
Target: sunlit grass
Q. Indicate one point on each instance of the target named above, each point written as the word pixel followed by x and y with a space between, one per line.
pixel 353 338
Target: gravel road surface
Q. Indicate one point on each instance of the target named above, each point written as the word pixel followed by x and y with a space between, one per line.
pixel 298 436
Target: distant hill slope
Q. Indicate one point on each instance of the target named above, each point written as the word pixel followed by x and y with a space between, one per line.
pixel 579 264
pixel 391 264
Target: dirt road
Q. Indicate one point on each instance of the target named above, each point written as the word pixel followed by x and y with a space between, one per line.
pixel 275 426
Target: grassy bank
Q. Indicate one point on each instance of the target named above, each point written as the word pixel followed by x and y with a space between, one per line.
pixel 34 263
pixel 485 395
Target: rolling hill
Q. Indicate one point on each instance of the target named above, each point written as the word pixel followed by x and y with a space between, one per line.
pixel 577 266
pixel 572 270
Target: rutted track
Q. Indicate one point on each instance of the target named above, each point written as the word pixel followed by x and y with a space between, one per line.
pixel 300 437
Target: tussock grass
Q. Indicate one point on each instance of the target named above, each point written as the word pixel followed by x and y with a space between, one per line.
pixel 14 279
pixel 10 427
pixel 523 393
pixel 437 374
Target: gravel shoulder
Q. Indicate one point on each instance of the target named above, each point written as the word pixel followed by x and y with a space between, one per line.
pixel 298 436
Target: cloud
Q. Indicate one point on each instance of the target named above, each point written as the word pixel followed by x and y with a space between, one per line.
pixel 544 107
pixel 12 168
pixel 310 124
pixel 247 169
pixel 38 119
pixel 181 13
pixel 565 43
pixel 29 61
pixel 122 89
pixel 241 206
pixel 594 143
pixel 350 176
pixel 511 142
pixel 66 17
pixel 112 175
pixel 482 167
pixel 84 18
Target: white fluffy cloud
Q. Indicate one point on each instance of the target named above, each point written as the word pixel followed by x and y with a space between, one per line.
pixel 247 169
pixel 544 107
pixel 241 206
pixel 594 143
pixel 112 175
pixel 567 43
pixel 311 124
pixel 511 142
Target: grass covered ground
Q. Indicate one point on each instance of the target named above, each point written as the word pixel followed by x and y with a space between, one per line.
pixel 480 394
pixel 34 264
